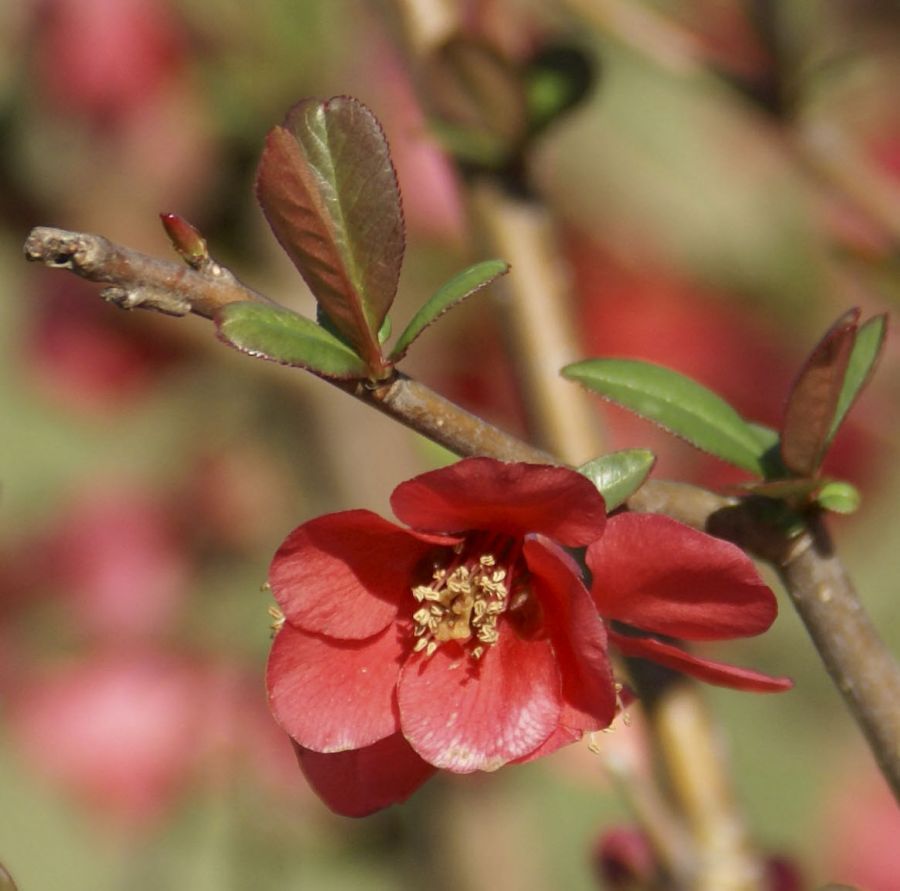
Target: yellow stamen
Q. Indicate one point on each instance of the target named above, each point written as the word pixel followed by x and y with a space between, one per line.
pixel 463 603
pixel 278 617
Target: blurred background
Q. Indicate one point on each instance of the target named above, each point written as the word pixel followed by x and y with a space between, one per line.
pixel 727 187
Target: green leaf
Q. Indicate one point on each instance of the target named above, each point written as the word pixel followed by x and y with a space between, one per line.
pixel 770 442
pixel 282 336
pixel 384 332
pixel 328 189
pixel 322 319
pixel 675 402
pixel 619 475
pixel 765 436
pixel 557 79
pixel 448 295
pixel 866 350
pixel 813 399
pixel 838 496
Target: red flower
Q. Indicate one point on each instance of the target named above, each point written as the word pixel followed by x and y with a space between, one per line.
pixel 463 643
pixel 662 577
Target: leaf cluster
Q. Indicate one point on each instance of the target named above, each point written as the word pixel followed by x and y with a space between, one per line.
pixel 786 462
pixel 328 189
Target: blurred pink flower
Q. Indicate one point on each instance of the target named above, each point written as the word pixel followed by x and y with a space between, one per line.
pixel 624 859
pixel 104 58
pixel 432 203
pixel 117 559
pixel 862 829
pixel 84 357
pixel 118 729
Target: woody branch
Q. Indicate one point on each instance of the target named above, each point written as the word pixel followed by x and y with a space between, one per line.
pixel 860 665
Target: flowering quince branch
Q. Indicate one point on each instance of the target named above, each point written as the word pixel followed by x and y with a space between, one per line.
pixel 815 579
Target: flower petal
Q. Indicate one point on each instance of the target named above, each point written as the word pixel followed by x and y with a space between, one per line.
pixel 578 636
pixel 562 736
pixel 463 715
pixel 717 673
pixel 513 498
pixel 359 782
pixel 334 695
pixel 344 574
pixel 657 574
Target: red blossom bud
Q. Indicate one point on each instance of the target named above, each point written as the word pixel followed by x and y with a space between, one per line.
pixel 189 243
pixel 624 859
pixel 782 874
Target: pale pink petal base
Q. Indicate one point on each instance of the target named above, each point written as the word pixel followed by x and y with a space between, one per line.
pixel 464 715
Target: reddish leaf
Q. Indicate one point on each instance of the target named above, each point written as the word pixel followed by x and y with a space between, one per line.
pixel 328 189
pixel 814 397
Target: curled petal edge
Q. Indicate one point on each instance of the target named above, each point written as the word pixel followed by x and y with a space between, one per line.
pixel 718 673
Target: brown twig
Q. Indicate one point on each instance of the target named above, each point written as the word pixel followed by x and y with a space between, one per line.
pixel 135 280
pixel 859 663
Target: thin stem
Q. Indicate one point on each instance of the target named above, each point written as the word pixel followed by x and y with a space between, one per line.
pixel 856 658
pixel 538 315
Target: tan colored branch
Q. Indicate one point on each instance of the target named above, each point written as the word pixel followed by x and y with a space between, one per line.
pixel 135 280
pixel 856 658
pixel 538 314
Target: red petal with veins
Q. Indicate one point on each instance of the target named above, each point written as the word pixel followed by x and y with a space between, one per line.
pixel 362 781
pixel 578 636
pixel 334 695
pixel 657 574
pixel 344 574
pixel 463 715
pixel 515 499
pixel 717 673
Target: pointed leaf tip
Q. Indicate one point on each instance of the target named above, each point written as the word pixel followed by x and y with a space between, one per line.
pixel 863 358
pixel 813 400
pixel 677 403
pixel 328 189
pixel 461 286
pixel 619 475
pixel 280 335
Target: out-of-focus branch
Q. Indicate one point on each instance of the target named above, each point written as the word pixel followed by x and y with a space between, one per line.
pixel 538 315
pixel 826 158
pixel 715 853
pixel 859 663
pixel 644 29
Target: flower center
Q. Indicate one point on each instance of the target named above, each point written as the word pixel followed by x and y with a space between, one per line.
pixel 463 602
